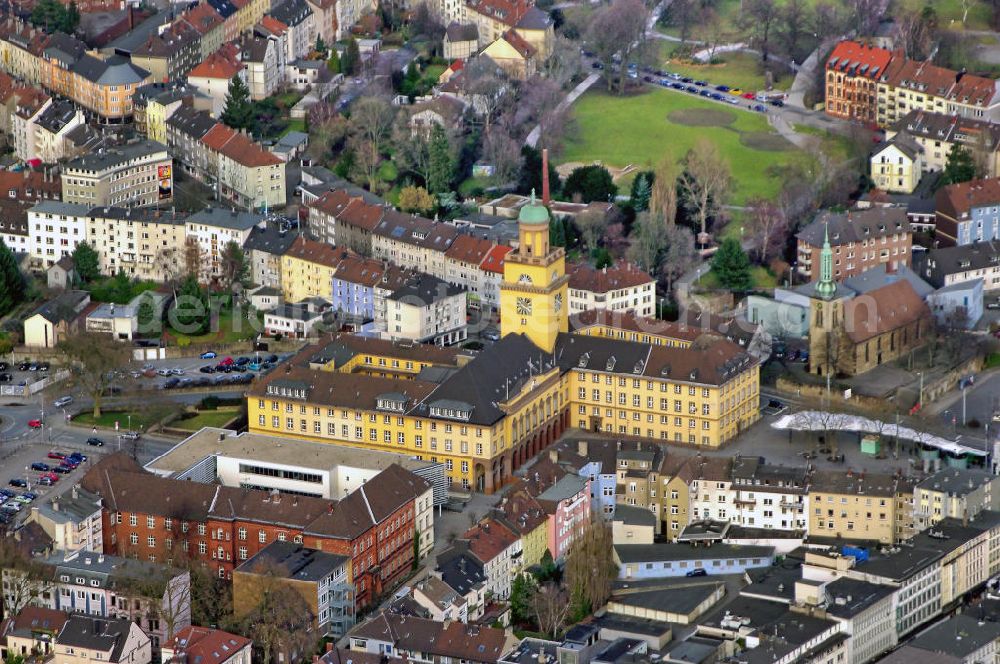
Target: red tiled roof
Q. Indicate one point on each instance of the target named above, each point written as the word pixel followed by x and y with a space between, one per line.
pixel 218 65
pixel 884 309
pixel 583 276
pixel 247 153
pixel 318 252
pixel 217 136
pixel 488 538
pixel 273 25
pixel 204 645
pixel 493 262
pixel 332 202
pixel 957 200
pixel 203 17
pixel 858 59
pixel 509 12
pixel 940 82
pixel 524 49
pixel 469 249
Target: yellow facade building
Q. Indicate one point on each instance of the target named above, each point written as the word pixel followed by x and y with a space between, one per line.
pixel 861 506
pixel 307 269
pixel 484 416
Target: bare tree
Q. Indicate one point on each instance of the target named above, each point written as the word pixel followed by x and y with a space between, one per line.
pixel 592 225
pixel 590 568
pixel 280 621
pixel 704 182
pixel 648 241
pixel 487 85
pixel 682 14
pixel 563 64
pixel 24 579
pixel 865 15
pixel 618 30
pixel 504 153
pixel 550 605
pixel 412 152
pixel 914 33
pixel 794 18
pixel 192 259
pixel 758 20
pixel 663 197
pixel 372 119
pixel 828 19
pixel 93 358
pixel 680 255
pixel 768 228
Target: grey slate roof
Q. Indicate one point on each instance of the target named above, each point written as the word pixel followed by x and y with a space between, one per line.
pixel 877 277
pixel 61 308
pixel 292 12
pixel 634 516
pixel 959 636
pixel 100 634
pixel 116 70
pixel 296 311
pixel 191 123
pixel 54 118
pixel 426 289
pixel 851 596
pixel 851 226
pixel 223 218
pixel 114 157
pixel 457 32
pixel 297 562
pixel 535 19
pixel 270 240
pixel 936 264
pixel 904 143
pixel 956 481
pixel 461 571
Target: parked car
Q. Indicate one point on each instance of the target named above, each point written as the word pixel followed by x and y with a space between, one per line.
pixel 5 377
pixel 43 366
pixel 208 355
pixel 56 454
pixel 176 371
pixel 131 435
pixel 35 424
pixel 62 470
pixel 698 571
pixel 722 88
pixel 38 465
pixel 226 362
pixel 79 456
pixel 18 482
pixel 701 83
pixel 777 102
pixel 62 402
pixel 52 476
pixel 33 366
pixel 95 442
pixel 30 495
pixel 47 481
pixel 163 372
pixel 749 95
pixel 171 383
pixel 4 366
pixel 23 366
pixel 272 358
pixel 207 369
pixel 760 108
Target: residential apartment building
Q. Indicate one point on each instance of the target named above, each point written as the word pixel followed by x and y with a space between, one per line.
pixel 712 497
pixel 411 242
pixel 209 25
pixel 565 499
pixel 494 18
pixel 897 166
pixel 323 580
pixel 213 76
pixel 264 71
pixel 348 13
pixel 61 132
pixel 244 172
pixel 769 496
pixel 192 645
pixel 87 640
pixel 464 258
pixel 308 268
pixel 72 520
pixel 169 55
pixel 422 639
pixel 300 21
pixel 425 309
pixel 859 240
pixel 521 512
pixel 947 266
pixel 359 286
pixel 226 526
pixel 132 175
pixel 104 86
pixel 937 134
pixel 440 600
pixel 500 551
pixel 156 597
pixel 619 287
pixel 967 212
pixel 29 105
pixel 144 243
pixel 865 610
pixel 958 493
pixel 908 85
pixel 212 229
pixel 55 229
pixel 852 74
pixel 860 506
pixel 265 247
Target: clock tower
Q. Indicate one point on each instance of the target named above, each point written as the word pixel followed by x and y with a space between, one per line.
pixel 533 295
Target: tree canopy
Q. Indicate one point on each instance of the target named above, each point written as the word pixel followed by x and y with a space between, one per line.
pixel 238 111
pixel 732 266
pixel 12 283
pixel 590 183
pixel 86 262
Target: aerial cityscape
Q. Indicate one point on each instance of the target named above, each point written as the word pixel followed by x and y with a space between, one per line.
pixel 500 332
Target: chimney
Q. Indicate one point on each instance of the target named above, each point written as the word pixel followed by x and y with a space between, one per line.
pixel 581 447
pixel 545 177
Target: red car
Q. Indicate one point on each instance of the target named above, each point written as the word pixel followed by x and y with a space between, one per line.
pixel 35 424
pixel 227 362
pixel 52 477
pixel 749 95
pixel 57 455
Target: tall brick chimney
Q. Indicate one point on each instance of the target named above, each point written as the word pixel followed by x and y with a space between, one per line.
pixel 545 177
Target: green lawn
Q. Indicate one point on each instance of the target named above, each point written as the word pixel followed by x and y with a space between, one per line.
pixel 295 124
pixel 646 130
pixel 741 70
pixel 109 417
pixel 762 279
pixel 205 418
pixel 949 13
pixel 227 331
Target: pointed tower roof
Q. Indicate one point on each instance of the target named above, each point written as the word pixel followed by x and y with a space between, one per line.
pixel 826 287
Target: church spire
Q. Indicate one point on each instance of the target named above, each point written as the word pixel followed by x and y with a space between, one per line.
pixel 825 287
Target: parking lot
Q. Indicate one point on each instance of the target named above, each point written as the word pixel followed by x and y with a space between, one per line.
pixel 23 373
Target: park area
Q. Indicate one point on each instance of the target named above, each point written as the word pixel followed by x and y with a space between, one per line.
pixel 644 128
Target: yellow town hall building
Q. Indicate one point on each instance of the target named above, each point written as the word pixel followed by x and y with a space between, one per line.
pixel 484 415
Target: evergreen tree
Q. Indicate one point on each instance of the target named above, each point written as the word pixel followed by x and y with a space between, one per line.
pixel 350 64
pixel 70 18
pixel 732 266
pixel 522 588
pixel 557 233
pixel 333 64
pixel 590 183
pixel 12 283
pixel 147 316
pixel 238 112
pixel 642 190
pixel 190 312
pixel 86 262
pixel 960 167
pixel 441 167
pixel 530 177
pixel 320 45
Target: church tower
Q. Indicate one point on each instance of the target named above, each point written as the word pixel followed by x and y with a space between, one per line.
pixel 826 317
pixel 533 294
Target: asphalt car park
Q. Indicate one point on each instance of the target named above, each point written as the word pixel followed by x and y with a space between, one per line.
pixel 16 468
pixel 178 373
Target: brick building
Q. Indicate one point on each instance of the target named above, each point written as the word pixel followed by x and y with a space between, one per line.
pixel 860 240
pixel 852 74
pixel 157 518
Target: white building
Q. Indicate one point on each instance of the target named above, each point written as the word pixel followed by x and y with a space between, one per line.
pixel 769 496
pixel 72 520
pixel 865 612
pixel 296 320
pixel 89 640
pixel 463 259
pixel 260 57
pixel 23 122
pixel 300 21
pixel 426 309
pixel 121 321
pixel 104 586
pixel 55 229
pixel 441 600
pixel 620 287
pixel 954 492
pixel 213 76
pixel 214 228
pixel 499 550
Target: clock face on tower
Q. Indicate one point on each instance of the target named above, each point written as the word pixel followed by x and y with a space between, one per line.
pixel 558 302
pixel 524 306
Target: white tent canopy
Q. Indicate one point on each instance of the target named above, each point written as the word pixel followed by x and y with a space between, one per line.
pixel 816 420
